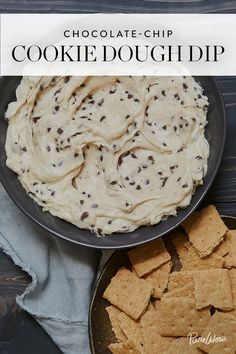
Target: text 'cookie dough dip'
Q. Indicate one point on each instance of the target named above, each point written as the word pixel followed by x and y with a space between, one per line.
pixel 106 153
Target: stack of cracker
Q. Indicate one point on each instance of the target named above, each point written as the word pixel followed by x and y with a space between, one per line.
pixel 158 310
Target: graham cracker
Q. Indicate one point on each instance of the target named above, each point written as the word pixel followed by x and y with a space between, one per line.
pixel 131 329
pixel 180 241
pixel 221 325
pixel 179 317
pixel 232 276
pixel 127 347
pixel 186 290
pixel 148 257
pixel 230 240
pixel 191 261
pixel 183 346
pixel 222 249
pixel 180 279
pixel 113 313
pixel 212 287
pixel 153 342
pixel 205 230
pixel 159 279
pixel 129 293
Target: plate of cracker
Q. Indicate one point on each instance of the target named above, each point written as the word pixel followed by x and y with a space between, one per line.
pixel 175 295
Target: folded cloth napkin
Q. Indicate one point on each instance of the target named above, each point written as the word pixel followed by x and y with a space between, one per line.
pixel 62 277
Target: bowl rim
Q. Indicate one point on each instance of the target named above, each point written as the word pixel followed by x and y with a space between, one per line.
pixel 136 242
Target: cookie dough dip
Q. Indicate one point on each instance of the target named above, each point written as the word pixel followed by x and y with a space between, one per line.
pixel 109 154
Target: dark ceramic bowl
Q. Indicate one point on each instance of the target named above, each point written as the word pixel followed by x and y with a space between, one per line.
pixel 215 133
pixel 100 332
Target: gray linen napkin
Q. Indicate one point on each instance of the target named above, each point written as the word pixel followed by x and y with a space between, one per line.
pixel 62 277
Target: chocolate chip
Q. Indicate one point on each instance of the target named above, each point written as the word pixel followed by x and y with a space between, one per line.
pixel 163 93
pixel 160 173
pixel 185 185
pixel 175 128
pixel 198 157
pixel 76 154
pixel 35 119
pixel 67 78
pixel 199 96
pixel 113 183
pixel 164 180
pixel 138 187
pixel 132 183
pixel 164 127
pixel 129 96
pixel 60 131
pixel 127 116
pixel 185 86
pixel 84 215
pixel 100 103
pixel 136 100
pixel 57 108
pixel 133 155
pixel 155 98
pixel 151 158
pixel 82 85
pixel 112 91
pixel 57 92
pixel 177 96
pixel 52 193
pixel 48 148
pixel 178 179
pixel 24 149
pixel 146 181
pixel 120 160
pixel 91 102
pixel 102 118
pixel 101 158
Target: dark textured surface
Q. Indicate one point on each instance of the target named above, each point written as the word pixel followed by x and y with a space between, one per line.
pixel 145 6
pixel 19 334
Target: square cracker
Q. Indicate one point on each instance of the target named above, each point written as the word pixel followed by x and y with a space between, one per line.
pixel 232 275
pixel 132 330
pixel 159 279
pixel 180 279
pixel 179 317
pixel 186 290
pixel 191 261
pixel 183 346
pixel 153 342
pixel 205 230
pixel 127 347
pixel 180 242
pixel 230 241
pixel 148 257
pixel 221 325
pixel 129 293
pixel 212 287
pixel 113 313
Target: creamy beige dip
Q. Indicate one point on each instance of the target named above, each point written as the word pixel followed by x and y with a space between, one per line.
pixel 106 153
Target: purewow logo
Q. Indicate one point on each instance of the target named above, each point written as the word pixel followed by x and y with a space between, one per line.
pixel 194 338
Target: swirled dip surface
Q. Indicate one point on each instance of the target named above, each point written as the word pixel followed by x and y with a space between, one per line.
pixel 105 153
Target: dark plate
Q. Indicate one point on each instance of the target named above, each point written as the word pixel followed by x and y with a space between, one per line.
pixel 215 133
pixel 100 333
